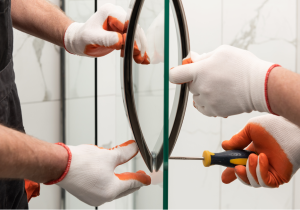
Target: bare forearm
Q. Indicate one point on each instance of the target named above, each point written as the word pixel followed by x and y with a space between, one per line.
pixel 284 94
pixel 25 157
pixel 41 19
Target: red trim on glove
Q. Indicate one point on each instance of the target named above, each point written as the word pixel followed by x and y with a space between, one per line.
pixel 64 41
pixel 266 87
pixel 67 168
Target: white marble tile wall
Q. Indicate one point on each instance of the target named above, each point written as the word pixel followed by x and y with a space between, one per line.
pixel 268 29
pixel 37 69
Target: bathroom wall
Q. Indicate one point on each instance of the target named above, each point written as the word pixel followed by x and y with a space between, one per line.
pixel 37 69
pixel 269 29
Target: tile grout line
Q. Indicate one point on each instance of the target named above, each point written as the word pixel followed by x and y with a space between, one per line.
pixel 296 70
pixel 220 169
pixel 39 102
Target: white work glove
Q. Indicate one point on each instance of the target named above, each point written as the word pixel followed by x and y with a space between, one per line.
pixel 276 143
pixel 90 173
pixel 226 81
pixel 102 33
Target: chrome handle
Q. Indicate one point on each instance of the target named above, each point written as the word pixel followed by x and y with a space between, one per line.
pixel 128 92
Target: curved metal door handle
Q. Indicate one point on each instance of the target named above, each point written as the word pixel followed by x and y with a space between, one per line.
pixel 128 93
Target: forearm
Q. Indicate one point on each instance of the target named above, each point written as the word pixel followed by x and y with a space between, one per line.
pixel 284 95
pixel 40 18
pixel 25 157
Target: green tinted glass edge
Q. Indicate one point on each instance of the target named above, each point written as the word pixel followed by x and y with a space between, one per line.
pixel 166 108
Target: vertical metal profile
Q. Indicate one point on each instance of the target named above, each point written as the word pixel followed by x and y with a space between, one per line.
pixel 96 95
pixel 166 108
pixel 63 102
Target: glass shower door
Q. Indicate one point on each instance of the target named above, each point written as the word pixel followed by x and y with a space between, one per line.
pixel 112 125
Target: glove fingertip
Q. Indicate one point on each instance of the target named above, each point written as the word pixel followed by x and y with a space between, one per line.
pixel 228 176
pixel 141 178
pixel 141 172
pixel 225 145
pixel 127 143
pixel 181 74
pixel 187 61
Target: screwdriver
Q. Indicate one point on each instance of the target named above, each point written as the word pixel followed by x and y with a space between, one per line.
pixel 230 158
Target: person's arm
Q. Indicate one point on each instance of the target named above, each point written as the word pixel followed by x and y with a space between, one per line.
pixel 284 95
pixel 102 33
pixel 230 81
pixel 85 171
pixel 40 18
pixel 25 157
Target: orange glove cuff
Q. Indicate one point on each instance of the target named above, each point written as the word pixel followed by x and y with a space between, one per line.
pixel 32 189
pixel 67 168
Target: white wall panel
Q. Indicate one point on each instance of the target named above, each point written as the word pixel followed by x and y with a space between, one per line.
pixel 191 185
pixel 268 29
pixel 42 120
pixel 79 70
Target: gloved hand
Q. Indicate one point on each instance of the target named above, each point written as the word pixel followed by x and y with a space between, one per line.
pixel 90 173
pixel 102 33
pixel 276 143
pixel 226 81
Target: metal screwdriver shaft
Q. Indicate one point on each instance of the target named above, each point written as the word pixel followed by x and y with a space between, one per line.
pixel 186 158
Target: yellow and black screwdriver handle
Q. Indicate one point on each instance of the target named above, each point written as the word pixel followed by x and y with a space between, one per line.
pixel 230 158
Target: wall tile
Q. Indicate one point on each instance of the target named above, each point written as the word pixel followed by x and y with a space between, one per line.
pixel 37 68
pixel 73 203
pixel 42 120
pixel 80 129
pixel 106 121
pixel 80 121
pixel 266 28
pixel 79 70
pixel 204 23
pixel 50 198
pixel 107 67
pixel 189 180
pixel 296 190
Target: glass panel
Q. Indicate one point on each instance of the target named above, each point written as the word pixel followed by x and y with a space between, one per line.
pixel 148 90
